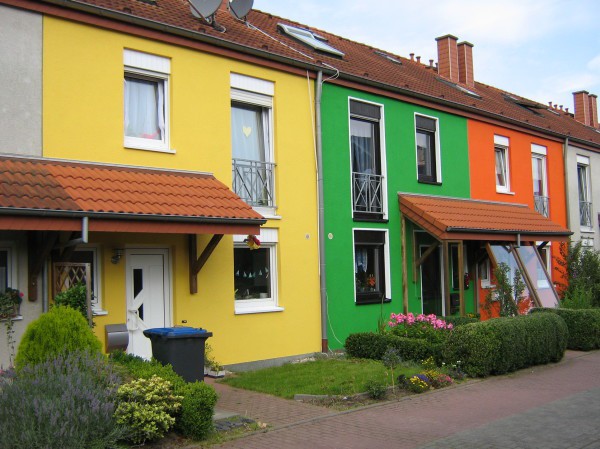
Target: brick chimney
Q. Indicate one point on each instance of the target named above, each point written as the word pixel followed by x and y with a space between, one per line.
pixel 593 110
pixel 582 107
pixel 448 57
pixel 465 64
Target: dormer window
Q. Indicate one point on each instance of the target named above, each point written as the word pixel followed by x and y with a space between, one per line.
pixel 309 38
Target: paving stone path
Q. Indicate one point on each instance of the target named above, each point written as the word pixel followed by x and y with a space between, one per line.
pixel 550 406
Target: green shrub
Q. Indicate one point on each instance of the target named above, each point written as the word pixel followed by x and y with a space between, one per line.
pixel 67 402
pixel 583 325
pixel 147 408
pixel 376 389
pixel 197 408
pixel 75 297
pixel 460 320
pixel 370 345
pixel 199 399
pixel 503 345
pixel 138 368
pixel 61 330
pixel 578 297
pixel 580 266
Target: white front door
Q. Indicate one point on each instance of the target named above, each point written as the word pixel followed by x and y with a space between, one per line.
pixel 148 296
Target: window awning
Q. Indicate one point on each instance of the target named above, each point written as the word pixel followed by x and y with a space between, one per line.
pixel 51 194
pixel 465 219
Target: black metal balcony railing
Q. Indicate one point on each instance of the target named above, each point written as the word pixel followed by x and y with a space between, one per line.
pixel 367 193
pixel 585 213
pixel 541 204
pixel 253 181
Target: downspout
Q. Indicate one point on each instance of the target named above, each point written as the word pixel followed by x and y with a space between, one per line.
pixel 566 167
pixel 322 272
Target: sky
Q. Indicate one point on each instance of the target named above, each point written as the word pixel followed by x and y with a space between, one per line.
pixel 543 50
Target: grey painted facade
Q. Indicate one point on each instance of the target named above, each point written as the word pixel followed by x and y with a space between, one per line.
pixel 590 235
pixel 20 82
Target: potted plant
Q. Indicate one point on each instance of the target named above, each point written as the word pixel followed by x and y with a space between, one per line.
pixel 10 300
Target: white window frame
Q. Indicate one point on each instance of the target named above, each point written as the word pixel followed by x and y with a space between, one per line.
pixel 261 93
pixel 540 152
pixel 438 149
pixel 502 144
pixel 154 68
pixel 584 161
pixel 485 273
pixel 11 264
pixel 269 239
pixel 382 156
pixel 386 259
pixel 96 275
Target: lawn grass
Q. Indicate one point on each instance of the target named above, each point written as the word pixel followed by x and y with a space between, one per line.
pixel 319 377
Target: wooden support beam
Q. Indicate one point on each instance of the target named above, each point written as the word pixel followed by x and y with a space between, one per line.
pixel 426 254
pixel 446 274
pixel 461 278
pixel 404 266
pixel 39 245
pixel 196 264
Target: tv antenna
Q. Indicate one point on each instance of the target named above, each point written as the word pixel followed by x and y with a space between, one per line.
pixel 240 8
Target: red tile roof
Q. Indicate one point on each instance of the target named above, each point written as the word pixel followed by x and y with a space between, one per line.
pixel 361 62
pixel 464 219
pixel 61 189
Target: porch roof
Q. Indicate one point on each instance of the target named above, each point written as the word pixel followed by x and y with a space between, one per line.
pixel 53 194
pixel 449 218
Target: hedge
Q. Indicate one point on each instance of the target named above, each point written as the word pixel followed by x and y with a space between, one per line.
pixel 459 320
pixel 371 345
pixel 503 345
pixel 584 327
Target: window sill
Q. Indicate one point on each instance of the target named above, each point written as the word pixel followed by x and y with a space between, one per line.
pixel 370 219
pixel 586 230
pixel 155 150
pixel 99 312
pixel 270 213
pixel 251 310
pixel 433 183
pixel 504 192
pixel 366 302
pixel 14 318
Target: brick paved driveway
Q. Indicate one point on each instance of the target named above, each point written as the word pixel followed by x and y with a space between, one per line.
pixel 552 406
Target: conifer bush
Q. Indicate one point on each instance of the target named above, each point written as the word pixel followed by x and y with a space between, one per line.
pixel 60 331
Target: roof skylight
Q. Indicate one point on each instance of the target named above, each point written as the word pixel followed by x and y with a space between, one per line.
pixel 388 57
pixel 461 88
pixel 309 38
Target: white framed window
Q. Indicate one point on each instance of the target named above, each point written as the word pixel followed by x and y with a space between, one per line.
pixel 255 274
pixel 485 273
pixel 428 149
pixel 584 192
pixel 8 268
pixel 367 154
pixel 540 181
pixel 146 101
pixel 501 145
pixel 253 165
pixel 89 254
pixel 371 266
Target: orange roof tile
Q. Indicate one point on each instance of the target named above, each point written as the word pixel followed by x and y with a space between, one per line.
pixel 361 63
pixel 464 219
pixel 62 189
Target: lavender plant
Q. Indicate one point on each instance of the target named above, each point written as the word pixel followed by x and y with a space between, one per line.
pixel 67 402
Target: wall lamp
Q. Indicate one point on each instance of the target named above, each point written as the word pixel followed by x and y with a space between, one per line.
pixel 117 254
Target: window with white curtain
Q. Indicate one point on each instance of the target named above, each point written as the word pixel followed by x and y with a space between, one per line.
pixel 146 101
pixel 501 164
pixel 428 169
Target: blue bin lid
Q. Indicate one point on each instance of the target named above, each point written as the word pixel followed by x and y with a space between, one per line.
pixel 178 332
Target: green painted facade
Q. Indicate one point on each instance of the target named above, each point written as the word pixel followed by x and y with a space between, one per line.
pixel 398 143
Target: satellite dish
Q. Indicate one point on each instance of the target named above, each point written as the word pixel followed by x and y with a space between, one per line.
pixel 203 9
pixel 240 8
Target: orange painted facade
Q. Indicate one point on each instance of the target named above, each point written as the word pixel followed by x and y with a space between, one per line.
pixel 482 166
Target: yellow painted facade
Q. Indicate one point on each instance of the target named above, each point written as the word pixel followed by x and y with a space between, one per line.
pixel 83 120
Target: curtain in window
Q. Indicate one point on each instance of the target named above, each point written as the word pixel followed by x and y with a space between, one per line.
pixel 424 154
pixel 538 176
pixel 363 147
pixel 144 108
pixel 361 260
pixel 247 133
pixel 500 168
pixel 582 179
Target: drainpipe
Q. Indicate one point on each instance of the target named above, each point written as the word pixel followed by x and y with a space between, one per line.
pixel 565 161
pixel 322 272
